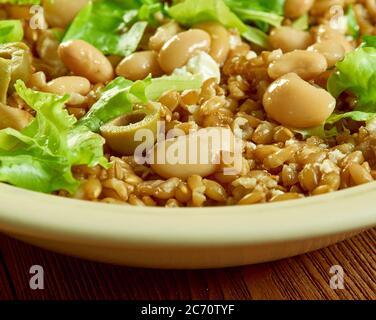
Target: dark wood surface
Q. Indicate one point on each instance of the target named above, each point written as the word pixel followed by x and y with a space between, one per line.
pixel 302 277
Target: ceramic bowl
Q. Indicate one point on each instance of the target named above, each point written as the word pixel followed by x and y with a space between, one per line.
pixel 186 238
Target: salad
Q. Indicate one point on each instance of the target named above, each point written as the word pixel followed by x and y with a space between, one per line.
pixel 187 103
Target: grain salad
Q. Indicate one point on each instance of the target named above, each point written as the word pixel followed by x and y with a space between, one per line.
pixel 187 103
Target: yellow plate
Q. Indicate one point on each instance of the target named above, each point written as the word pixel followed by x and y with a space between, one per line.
pixel 187 237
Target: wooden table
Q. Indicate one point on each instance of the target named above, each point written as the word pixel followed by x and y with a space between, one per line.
pixel 302 277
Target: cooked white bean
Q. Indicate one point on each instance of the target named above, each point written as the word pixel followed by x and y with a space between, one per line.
pixel 193 154
pixel 325 33
pixel 13 117
pixel 295 103
pixel 46 47
pixel 139 65
pixel 331 50
pixel 85 60
pixel 37 80
pixel 59 13
pixel 163 34
pixel 289 39
pixel 68 85
pixel 176 52
pixel 371 7
pixel 297 8
pixel 320 7
pixel 306 64
pixel 220 40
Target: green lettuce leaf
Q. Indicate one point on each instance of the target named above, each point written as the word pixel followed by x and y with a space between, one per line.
pixel 357 74
pixel 256 36
pixel 109 25
pixel 319 131
pixel 262 14
pixel 268 12
pixel 41 156
pixel 148 11
pixel 353 115
pixel 11 31
pixel 272 6
pixel 353 28
pixel 301 23
pixel 119 96
pixel 255 15
pixel 190 12
pixel 331 128
pixel 177 83
pixel 276 6
pixel 369 41
pixel 324 132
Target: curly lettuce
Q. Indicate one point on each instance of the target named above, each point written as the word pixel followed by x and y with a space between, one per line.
pixel 120 95
pixel 190 12
pixel 112 26
pixel 41 156
pixel 356 75
pixel 11 31
pixel 353 28
pixel 262 13
pixel 230 13
pixel 301 23
pixel 117 98
pixel 275 6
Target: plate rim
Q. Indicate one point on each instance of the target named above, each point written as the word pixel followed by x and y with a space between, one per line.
pixel 54 217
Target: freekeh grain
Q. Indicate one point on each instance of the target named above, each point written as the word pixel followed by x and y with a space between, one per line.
pixel 277 163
